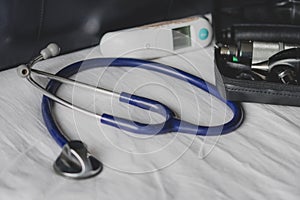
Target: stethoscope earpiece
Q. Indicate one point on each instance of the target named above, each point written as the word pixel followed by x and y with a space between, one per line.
pixel 51 50
pixel 23 71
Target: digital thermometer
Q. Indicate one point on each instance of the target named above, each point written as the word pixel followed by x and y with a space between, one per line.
pixel 159 39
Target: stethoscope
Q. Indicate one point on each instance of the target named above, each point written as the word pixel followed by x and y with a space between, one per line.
pixel 75 161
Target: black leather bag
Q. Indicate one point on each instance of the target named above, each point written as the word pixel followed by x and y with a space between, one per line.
pixel 27 26
pixel 276 21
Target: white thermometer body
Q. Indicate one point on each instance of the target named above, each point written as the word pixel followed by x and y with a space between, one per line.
pixel 158 40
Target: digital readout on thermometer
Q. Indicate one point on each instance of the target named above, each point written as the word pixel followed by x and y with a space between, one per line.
pixel 181 37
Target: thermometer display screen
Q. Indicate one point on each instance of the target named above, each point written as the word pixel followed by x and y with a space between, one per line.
pixel 181 37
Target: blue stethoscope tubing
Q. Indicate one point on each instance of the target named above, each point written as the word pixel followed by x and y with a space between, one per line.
pixel 172 124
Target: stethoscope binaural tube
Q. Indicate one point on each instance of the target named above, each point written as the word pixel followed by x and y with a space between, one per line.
pixel 176 125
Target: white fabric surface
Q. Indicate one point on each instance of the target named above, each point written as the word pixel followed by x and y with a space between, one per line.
pixel 261 160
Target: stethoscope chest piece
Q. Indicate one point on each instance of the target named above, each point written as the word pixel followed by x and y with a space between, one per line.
pixel 76 162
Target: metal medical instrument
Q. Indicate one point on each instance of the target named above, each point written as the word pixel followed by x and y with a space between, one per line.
pixel 276 62
pixel 75 161
pixel 255 52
